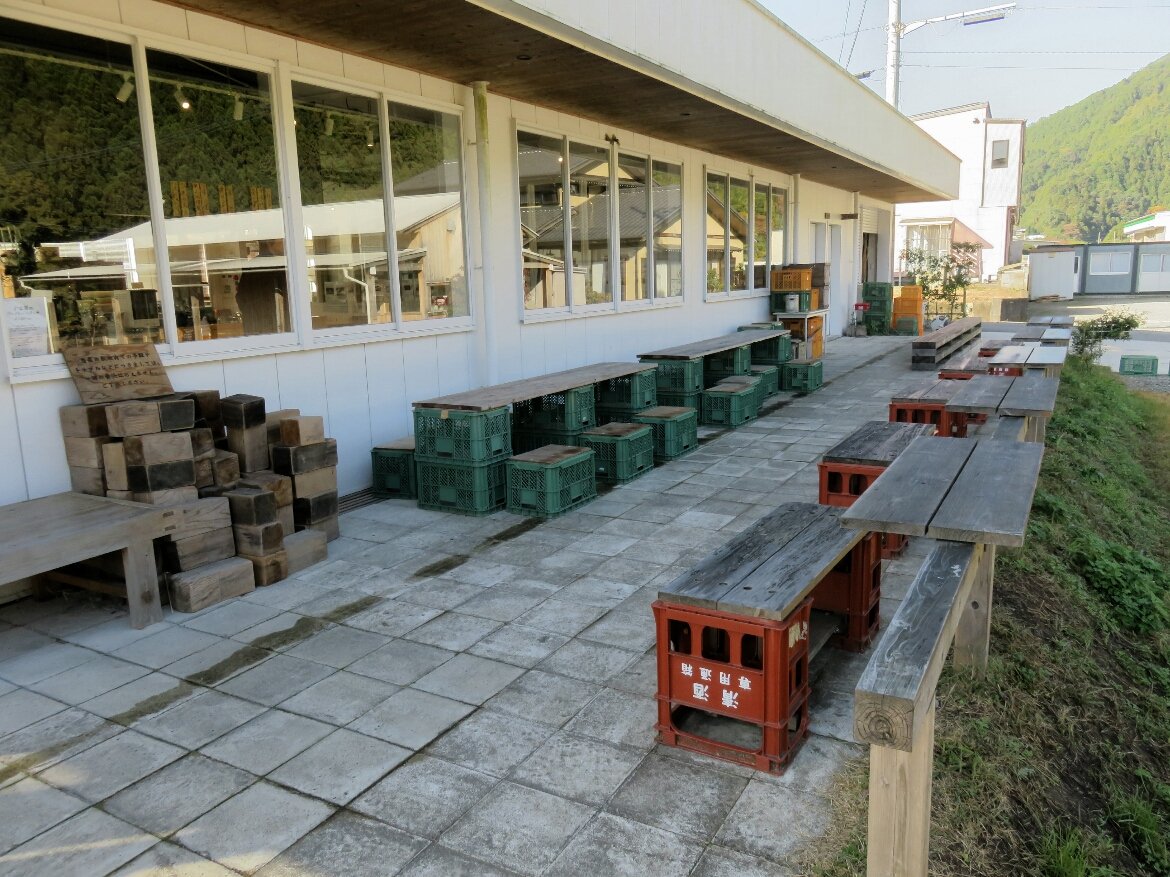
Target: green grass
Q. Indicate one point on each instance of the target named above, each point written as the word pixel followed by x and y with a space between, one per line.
pixel 1057 762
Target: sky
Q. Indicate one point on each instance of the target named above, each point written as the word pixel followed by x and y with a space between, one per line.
pixel 1046 55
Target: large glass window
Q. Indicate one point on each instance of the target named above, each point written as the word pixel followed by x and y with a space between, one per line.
pixel 540 163
pixel 738 226
pixel 633 227
pixel 590 232
pixel 75 233
pixel 340 165
pixel 224 226
pixel 717 220
pixel 777 222
pixel 426 156
pixel 666 193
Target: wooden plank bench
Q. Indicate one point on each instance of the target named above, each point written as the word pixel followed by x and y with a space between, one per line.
pixel 711 346
pixel 1015 360
pixel 501 395
pixel 963 368
pixel 757 587
pixel 926 401
pixel 933 348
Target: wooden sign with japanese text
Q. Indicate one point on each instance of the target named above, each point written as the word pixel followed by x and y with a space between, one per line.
pixel 117 372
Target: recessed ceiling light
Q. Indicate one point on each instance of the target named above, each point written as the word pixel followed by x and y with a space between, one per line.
pixel 684 114
pixel 523 57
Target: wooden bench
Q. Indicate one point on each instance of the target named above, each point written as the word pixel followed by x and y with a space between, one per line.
pixel 1015 360
pixel 501 395
pixel 712 346
pixel 1031 397
pixel 926 402
pixel 1009 428
pixel 963 368
pixel 735 636
pixel 933 348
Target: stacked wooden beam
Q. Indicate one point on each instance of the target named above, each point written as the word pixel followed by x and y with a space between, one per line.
pixel 310 459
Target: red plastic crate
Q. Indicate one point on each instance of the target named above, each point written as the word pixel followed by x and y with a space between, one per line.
pixel 1007 371
pixel 855 583
pixel 946 423
pixel 752 670
pixel 842 483
pixel 858 630
pixel 893 544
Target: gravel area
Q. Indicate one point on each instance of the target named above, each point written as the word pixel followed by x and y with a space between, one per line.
pixel 1148 383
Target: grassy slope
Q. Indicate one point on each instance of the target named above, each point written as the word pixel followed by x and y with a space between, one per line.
pixel 1058 762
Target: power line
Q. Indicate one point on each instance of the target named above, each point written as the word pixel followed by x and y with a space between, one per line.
pixel 1033 52
pixel 845 24
pixel 860 19
pixel 1011 67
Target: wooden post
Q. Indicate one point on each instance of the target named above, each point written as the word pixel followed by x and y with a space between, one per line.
pixel 141 583
pixel 973 635
pixel 899 805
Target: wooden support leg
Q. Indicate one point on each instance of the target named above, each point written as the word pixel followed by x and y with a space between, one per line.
pixel 899 805
pixel 973 635
pixel 141 583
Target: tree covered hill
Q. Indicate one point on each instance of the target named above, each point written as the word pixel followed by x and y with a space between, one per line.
pixel 1102 161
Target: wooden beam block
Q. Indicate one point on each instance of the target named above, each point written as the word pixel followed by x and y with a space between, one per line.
pixel 214 491
pixel 250 444
pixel 198 517
pixel 297 460
pixel 258 540
pixel 113 493
pixel 305 549
pixel 284 514
pixel 252 505
pixel 273 419
pixel 899 805
pixel 270 568
pixel 330 527
pixel 317 481
pixel 210 584
pixel 280 485
pixel 242 410
pixel 205 472
pixel 132 418
pixel 174 496
pixel 207 405
pixel 86 452
pixel 83 420
pixel 226 466
pixel 302 430
pixel 85 479
pixel 159 447
pixel 315 508
pixel 202 443
pixel 176 413
pixel 973 635
pixel 114 464
pixel 194 551
pixel 161 476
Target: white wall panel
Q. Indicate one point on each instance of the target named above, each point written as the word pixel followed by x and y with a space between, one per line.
pixel 302 385
pixel 41 444
pixel 389 406
pixel 255 375
pixel 349 416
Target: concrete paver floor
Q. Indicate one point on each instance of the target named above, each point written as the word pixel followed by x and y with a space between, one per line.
pixel 445 695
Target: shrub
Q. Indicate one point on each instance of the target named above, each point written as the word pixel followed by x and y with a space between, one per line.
pixel 1088 338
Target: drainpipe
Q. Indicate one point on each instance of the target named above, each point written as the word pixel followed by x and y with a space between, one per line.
pixel 795 259
pixel 487 338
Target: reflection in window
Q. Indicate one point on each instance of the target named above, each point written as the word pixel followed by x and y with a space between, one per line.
pixel 427 167
pixel 590 232
pixel 540 163
pixel 345 217
pixel 717 276
pixel 667 206
pixel 777 222
pixel 224 225
pixel 738 224
pixel 760 237
pixel 633 211
pixel 75 232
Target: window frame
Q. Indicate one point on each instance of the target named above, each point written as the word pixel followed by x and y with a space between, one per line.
pixel 754 184
pixel 998 162
pixel 1110 255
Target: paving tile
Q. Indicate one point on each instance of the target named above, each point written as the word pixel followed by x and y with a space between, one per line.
pixel 267 741
pixel 28 807
pixel 624 630
pixel 490 743
pixel 596 592
pixel 468 678
pixel 42 661
pixel 340 766
pixel 548 697
pixel 717 862
pixel 624 568
pixel 277 679
pixel 401 662
pixel 751 826
pixel 438 861
pixel 424 796
pixel 81 612
pixel 589 662
pixel 288 594
pixel 111 765
pixel 518 828
pixel 340 698
pixel 640 677
pixel 338 646
pixel 453 630
pixel 393 618
pixel 113 634
pixel 181 792
pixel 54 739
pixel 281 631
pixel 411 718
pixel 563 617
pixel 440 593
pixel 199 720
pixel 166 647
pixel 818 763
pixel 21 708
pixel 577 768
pixel 519 645
pixel 232 618
pixel 506 601
pixel 253 827
pixel 168 860
pixel 612 845
pixel 91 842
pixel 361 847
pixel 618 717
pixel 604 545
pixel 216 663
pixel 484 572
pixel 686 799
pixel 143 697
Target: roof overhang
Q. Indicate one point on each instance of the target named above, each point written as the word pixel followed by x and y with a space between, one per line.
pixel 571 71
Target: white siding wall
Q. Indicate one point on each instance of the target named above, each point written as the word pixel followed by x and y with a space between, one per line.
pixel 364 390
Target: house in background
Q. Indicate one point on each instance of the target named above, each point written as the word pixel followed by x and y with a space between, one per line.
pixel 992 154
pixel 1151 227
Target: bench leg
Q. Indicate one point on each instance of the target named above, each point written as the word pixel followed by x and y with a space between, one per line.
pixel 973 635
pixel 141 583
pixel 899 805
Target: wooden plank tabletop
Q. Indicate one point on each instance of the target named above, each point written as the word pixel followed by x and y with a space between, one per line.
pixel 1056 335
pixel 980 395
pixel 1040 321
pixel 877 443
pixel 1013 354
pixel 715 345
pixel 1045 357
pixel 548 455
pixel 499 395
pixel 1029 333
pixel 617 430
pixel 1031 395
pixel 966 490
pixel 768 569
pixel 930 391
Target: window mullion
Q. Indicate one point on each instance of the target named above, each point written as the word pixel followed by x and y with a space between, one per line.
pixel 295 264
pixel 388 202
pixel 567 222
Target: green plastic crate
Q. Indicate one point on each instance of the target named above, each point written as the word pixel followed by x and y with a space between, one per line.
pixel 802 375
pixel 675 432
pixel 727 405
pixel 464 488
pixel 677 375
pixel 1139 365
pixel 620 453
pixel 619 413
pixel 546 490
pixel 735 361
pixel 877 324
pixel 442 435
pixel 751 327
pixel 772 351
pixel 572 409
pixel 779 301
pixel 394 473
pixel 524 440
pixel 905 325
pixel 878 292
pixel 634 392
pixel 754 384
pixel 680 400
pixel 769 376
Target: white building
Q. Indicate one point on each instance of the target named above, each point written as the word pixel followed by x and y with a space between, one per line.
pixel 1152 227
pixel 268 154
pixel 984 213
